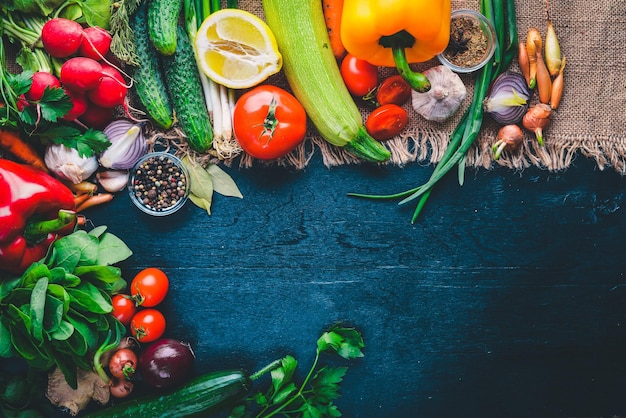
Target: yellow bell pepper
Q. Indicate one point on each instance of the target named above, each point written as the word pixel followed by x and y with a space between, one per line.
pixel 396 33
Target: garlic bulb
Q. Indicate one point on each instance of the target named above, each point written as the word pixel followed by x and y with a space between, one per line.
pixel 445 96
pixel 113 180
pixel 67 164
pixel 128 144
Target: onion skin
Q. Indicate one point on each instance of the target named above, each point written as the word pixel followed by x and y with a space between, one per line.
pixel 508 98
pixel 166 363
pixel 509 136
pixel 537 118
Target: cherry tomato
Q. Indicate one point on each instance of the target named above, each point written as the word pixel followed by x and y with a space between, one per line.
pixel 393 89
pixel 360 76
pixel 147 325
pixel 269 122
pixel 149 287
pixel 123 308
pixel 386 121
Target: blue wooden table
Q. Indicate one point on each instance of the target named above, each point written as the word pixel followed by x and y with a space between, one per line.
pixel 505 299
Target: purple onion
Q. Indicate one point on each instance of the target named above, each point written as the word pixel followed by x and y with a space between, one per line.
pixel 127 146
pixel 507 101
pixel 166 363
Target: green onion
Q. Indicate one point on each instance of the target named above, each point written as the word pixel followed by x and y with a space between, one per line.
pixel 502 16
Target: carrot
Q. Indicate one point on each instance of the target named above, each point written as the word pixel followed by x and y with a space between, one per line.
pixel 332 15
pixel 94 200
pixel 522 58
pixel 20 149
pixel 79 199
pixel 82 187
pixel 544 82
pixel 557 87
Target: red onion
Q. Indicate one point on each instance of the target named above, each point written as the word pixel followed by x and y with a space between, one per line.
pixel 508 98
pixel 166 363
pixel 128 144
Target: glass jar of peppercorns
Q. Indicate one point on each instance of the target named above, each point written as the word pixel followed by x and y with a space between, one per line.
pixel 159 184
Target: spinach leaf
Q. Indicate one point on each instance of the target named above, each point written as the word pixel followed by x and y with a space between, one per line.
pixel 89 298
pixel 111 250
pixel 37 306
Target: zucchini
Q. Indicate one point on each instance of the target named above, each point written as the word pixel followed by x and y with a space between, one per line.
pixel 201 395
pixel 163 18
pixel 313 75
pixel 148 77
pixel 185 90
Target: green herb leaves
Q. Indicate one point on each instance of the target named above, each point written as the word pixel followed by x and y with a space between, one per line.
pixel 314 397
pixel 59 309
pixel 206 180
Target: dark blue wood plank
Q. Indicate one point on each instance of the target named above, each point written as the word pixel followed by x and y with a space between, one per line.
pixel 506 298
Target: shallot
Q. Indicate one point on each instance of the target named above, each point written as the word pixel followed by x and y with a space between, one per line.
pixel 536 119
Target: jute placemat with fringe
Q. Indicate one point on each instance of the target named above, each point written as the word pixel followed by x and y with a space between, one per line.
pixel 590 121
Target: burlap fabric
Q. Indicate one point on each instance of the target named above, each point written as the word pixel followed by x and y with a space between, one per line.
pixel 590 121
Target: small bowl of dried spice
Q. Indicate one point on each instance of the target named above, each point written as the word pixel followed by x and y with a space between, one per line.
pixel 472 42
pixel 159 184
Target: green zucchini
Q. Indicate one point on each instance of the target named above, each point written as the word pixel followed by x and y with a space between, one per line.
pixel 313 75
pixel 148 77
pixel 163 18
pixel 185 90
pixel 202 395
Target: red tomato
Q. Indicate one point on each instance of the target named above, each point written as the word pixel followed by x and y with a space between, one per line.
pixel 393 89
pixel 386 121
pixel 147 325
pixel 269 122
pixel 149 287
pixel 123 308
pixel 360 76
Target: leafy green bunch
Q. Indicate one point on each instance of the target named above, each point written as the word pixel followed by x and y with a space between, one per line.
pixel 314 396
pixel 59 310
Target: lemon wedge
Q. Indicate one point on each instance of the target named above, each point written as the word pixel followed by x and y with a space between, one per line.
pixel 237 49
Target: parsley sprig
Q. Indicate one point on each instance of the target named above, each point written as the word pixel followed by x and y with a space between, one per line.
pixel 42 120
pixel 314 396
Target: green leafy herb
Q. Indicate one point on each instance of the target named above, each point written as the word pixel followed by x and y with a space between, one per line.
pixel 123 41
pixel 205 181
pixel 315 395
pixel 59 309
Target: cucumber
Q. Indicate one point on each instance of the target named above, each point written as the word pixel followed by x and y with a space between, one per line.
pixel 185 90
pixel 148 77
pixel 163 18
pixel 201 395
pixel 314 77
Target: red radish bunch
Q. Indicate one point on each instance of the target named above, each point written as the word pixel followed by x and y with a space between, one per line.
pixel 95 86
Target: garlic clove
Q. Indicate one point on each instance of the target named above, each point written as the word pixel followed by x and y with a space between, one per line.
pixel 445 96
pixel 113 180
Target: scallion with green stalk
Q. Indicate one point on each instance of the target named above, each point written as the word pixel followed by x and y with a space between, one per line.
pixel 502 15
pixel 220 100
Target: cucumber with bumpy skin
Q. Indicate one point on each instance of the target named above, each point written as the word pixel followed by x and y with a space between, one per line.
pixel 185 90
pixel 162 22
pixel 201 395
pixel 313 75
pixel 148 76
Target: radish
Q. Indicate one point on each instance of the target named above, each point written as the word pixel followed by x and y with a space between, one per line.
pixel 96 117
pixel 95 44
pixel 41 80
pixel 80 73
pixel 61 37
pixel 111 89
pixel 79 105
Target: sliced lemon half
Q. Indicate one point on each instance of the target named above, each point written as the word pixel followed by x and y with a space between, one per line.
pixel 237 49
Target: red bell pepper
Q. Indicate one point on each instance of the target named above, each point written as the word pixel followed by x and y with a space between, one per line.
pixel 35 209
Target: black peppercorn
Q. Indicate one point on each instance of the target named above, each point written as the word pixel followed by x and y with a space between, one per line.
pixel 159 183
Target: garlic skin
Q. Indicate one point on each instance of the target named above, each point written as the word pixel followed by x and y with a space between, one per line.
pixel 445 96
pixel 113 180
pixel 68 165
